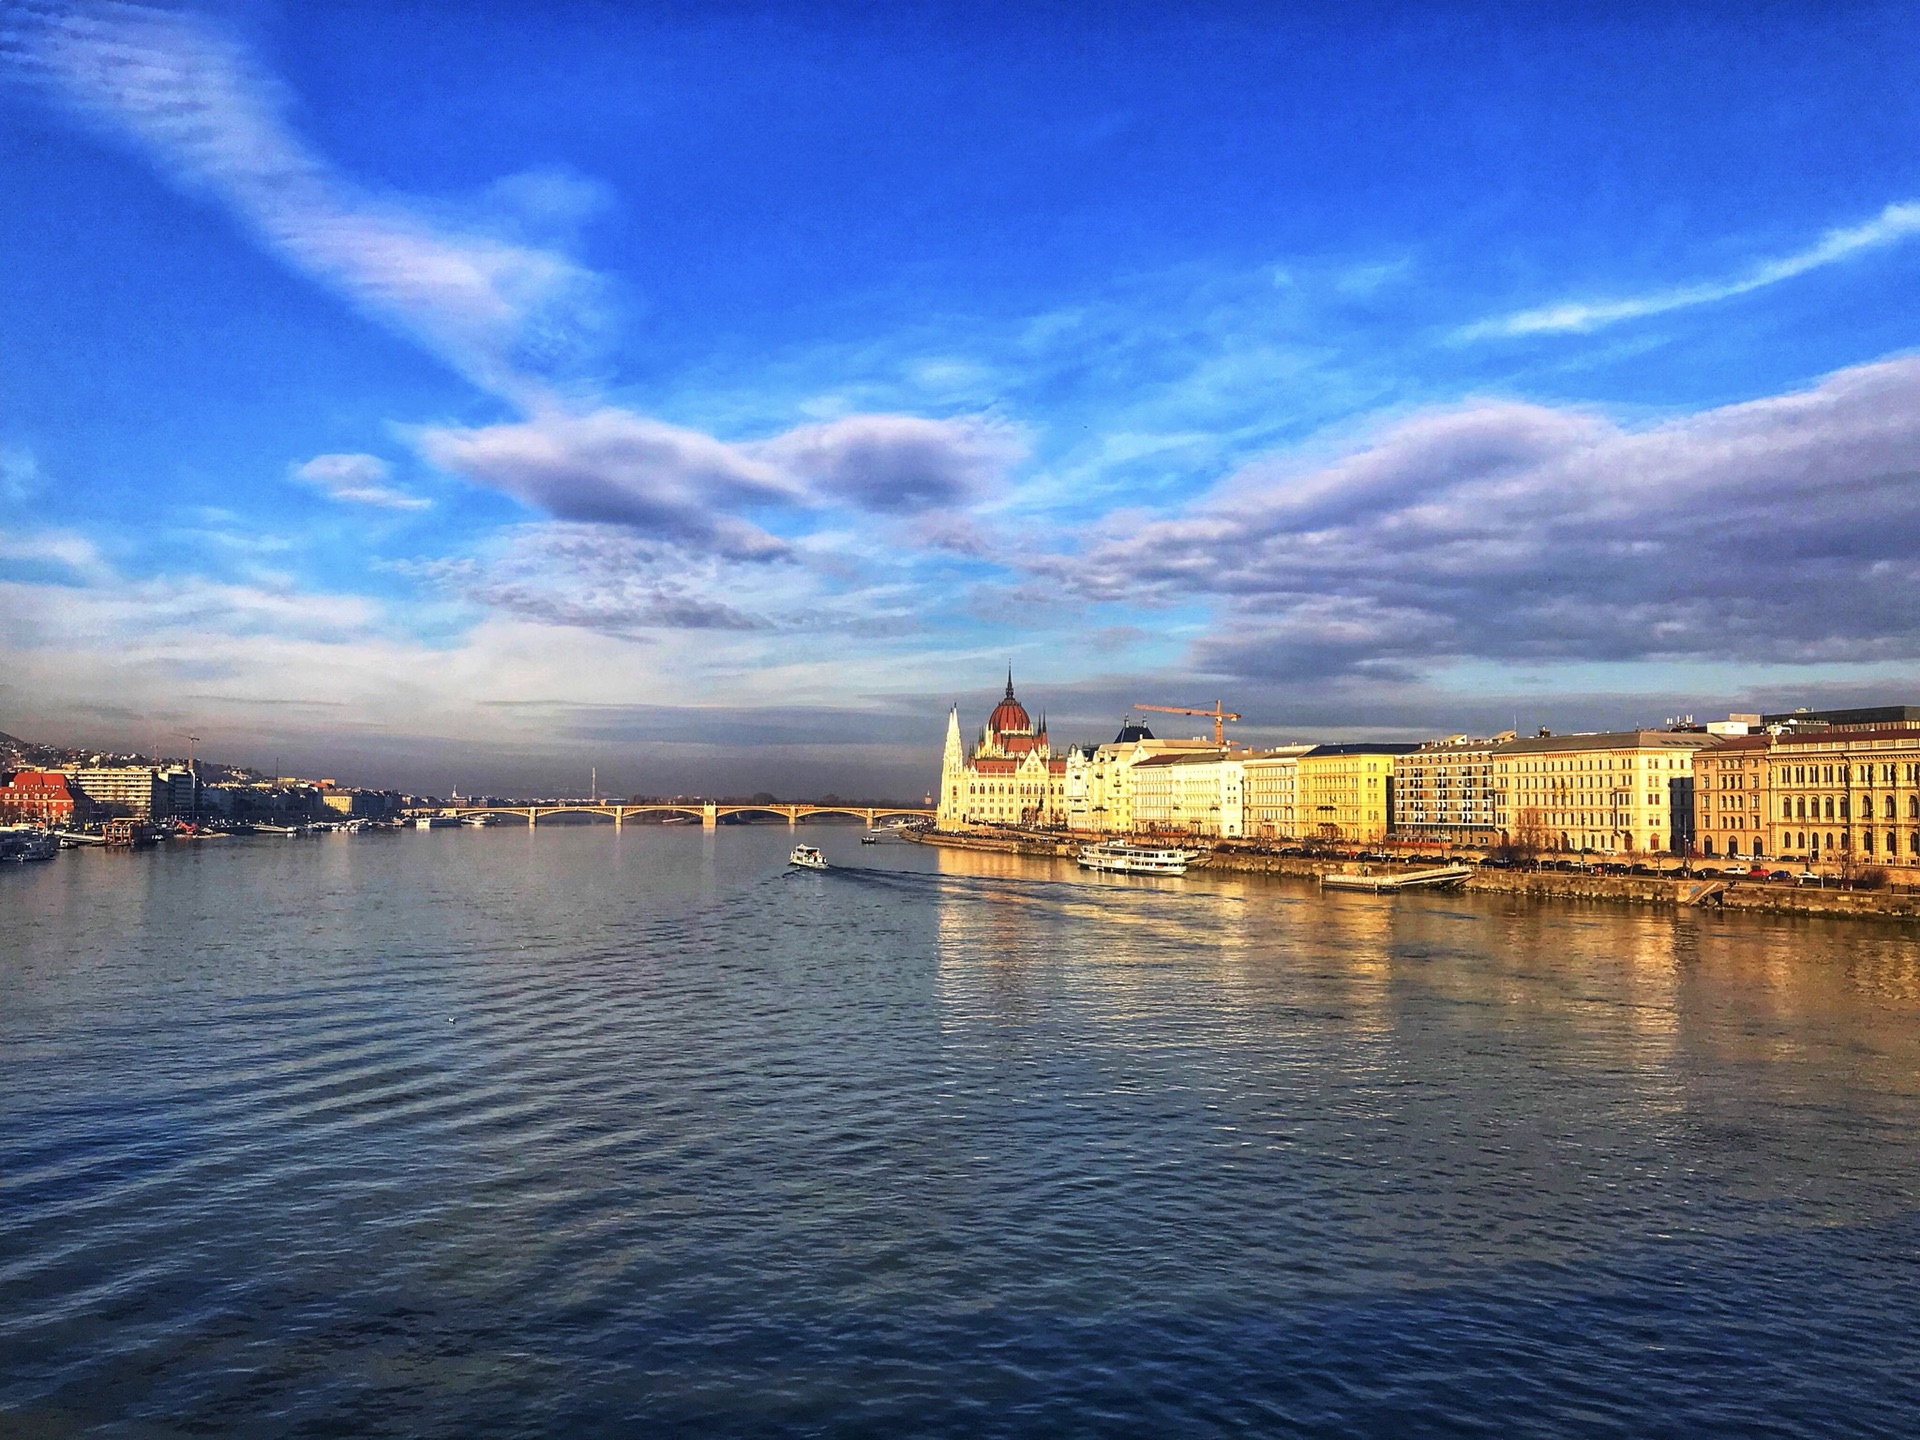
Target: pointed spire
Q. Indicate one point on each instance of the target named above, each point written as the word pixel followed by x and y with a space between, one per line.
pixel 1009 679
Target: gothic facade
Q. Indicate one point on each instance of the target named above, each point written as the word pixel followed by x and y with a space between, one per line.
pixel 1009 777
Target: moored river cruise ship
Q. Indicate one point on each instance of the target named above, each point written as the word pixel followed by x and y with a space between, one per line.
pixel 1136 859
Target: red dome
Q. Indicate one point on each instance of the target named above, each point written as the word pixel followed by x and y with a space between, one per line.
pixel 1009 716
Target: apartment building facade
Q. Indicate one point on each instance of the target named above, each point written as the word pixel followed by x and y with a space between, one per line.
pixel 1610 792
pixel 1444 792
pixel 1731 798
pixel 1346 792
pixel 1272 792
pixel 1199 792
pixel 1848 794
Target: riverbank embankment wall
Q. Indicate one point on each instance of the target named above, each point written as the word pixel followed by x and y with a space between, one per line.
pixel 1753 896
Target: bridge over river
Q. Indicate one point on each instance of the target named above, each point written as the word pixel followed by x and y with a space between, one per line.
pixel 708 813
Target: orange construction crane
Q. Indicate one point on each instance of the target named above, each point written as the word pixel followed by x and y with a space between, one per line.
pixel 1216 714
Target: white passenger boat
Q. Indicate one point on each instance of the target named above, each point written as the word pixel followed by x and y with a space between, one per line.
pixel 807 858
pixel 1127 859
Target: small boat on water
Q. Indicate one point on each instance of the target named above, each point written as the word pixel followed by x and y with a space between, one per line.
pixel 807 858
pixel 1123 859
pixel 872 837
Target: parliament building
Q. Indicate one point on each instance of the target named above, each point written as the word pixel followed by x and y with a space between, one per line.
pixel 1009 777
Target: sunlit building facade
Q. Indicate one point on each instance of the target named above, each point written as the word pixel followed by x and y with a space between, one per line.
pixel 1616 792
pixel 1844 795
pixel 1346 791
pixel 1272 794
pixel 1444 792
pixel 1009 777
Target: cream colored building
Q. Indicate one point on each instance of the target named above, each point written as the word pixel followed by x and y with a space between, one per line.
pixel 1194 792
pixel 1100 786
pixel 1844 794
pixel 138 791
pixel 1613 792
pixel 1009 778
pixel 1272 794
pixel 1444 792
pixel 1346 791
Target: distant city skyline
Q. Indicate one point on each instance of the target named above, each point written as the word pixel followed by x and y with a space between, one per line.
pixel 470 396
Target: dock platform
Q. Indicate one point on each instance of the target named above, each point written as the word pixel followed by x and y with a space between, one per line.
pixel 1411 880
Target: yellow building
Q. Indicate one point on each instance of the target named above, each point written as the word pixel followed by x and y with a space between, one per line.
pixel 1844 794
pixel 1619 792
pixel 1346 791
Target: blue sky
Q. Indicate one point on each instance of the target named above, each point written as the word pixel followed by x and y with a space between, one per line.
pixel 470 394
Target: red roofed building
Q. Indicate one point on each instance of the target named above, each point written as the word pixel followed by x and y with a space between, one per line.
pixel 42 797
pixel 1010 777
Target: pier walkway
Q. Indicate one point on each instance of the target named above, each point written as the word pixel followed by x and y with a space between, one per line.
pixel 1410 880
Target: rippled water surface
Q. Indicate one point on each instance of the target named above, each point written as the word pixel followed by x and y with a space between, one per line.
pixel 577 1132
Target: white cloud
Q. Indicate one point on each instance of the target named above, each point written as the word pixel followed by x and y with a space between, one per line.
pixel 74 557
pixel 192 97
pixel 357 480
pixel 1891 226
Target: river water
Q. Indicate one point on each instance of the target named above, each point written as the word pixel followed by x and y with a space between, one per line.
pixel 577 1132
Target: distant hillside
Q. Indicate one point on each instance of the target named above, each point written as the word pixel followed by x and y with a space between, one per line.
pixel 15 752
pixel 18 754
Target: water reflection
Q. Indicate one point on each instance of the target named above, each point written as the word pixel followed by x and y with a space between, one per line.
pixel 576 1131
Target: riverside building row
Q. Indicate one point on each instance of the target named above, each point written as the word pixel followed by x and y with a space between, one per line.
pixel 1815 786
pixel 84 794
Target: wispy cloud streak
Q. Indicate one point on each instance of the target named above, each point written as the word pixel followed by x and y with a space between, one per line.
pixel 356 480
pixel 1891 226
pixel 197 103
